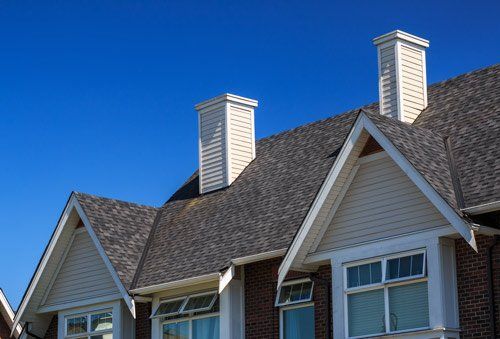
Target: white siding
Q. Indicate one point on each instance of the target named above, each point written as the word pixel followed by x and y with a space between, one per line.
pixel 82 275
pixel 412 81
pixel 213 149
pixel 380 202
pixel 241 144
pixel 388 81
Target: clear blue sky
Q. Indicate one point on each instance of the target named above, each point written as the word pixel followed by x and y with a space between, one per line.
pixel 98 96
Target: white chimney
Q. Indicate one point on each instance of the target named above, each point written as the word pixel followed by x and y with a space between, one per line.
pixel 402 79
pixel 226 139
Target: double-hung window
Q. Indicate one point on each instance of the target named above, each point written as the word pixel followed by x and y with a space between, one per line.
pixel 190 317
pixel 95 325
pixel 386 295
pixel 296 309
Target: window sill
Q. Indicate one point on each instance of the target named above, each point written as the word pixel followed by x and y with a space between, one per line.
pixel 422 334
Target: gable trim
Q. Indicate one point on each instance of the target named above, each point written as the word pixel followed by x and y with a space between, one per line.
pixel 363 122
pixel 70 205
pixel 8 313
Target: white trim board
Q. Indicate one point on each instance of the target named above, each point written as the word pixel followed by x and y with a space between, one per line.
pixel 72 204
pixel 363 123
pixel 8 313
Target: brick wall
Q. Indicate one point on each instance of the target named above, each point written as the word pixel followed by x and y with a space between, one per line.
pixel 261 316
pixel 142 321
pixel 52 330
pixel 4 328
pixel 472 284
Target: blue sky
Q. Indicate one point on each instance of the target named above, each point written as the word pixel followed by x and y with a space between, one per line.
pixel 98 96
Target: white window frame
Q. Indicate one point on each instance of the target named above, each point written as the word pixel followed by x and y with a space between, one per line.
pixel 114 307
pixel 293 282
pixel 183 305
pixel 385 284
pixel 89 332
pixel 290 307
pixel 189 320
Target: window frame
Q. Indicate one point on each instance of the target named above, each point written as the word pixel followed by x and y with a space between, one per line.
pixel 294 282
pixel 384 285
pixel 184 303
pixel 88 315
pixel 294 306
pixel 189 320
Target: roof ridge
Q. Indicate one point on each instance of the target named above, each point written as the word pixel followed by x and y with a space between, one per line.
pixel 113 199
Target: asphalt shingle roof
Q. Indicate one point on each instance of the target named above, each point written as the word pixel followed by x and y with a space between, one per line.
pixel 122 228
pixel 263 209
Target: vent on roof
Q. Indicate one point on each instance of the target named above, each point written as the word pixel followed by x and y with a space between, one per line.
pixel 226 139
pixel 402 79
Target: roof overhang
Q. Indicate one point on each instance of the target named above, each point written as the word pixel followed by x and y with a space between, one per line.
pixel 71 205
pixel 483 208
pixel 364 123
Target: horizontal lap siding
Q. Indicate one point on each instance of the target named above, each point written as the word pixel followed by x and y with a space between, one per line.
pixel 83 275
pixel 380 202
pixel 213 149
pixel 241 139
pixel 412 73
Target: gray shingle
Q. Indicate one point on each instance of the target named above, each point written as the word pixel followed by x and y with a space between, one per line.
pixel 122 228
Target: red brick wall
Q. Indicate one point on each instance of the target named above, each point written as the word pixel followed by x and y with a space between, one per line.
pixel 4 328
pixel 261 316
pixel 142 321
pixel 472 284
pixel 52 330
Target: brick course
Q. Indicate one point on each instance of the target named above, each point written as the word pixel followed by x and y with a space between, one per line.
pixel 52 330
pixel 472 285
pixel 142 321
pixel 261 316
pixel 4 328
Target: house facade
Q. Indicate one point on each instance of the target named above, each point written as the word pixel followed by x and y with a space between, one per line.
pixel 378 222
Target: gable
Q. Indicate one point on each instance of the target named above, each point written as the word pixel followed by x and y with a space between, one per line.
pixel 82 274
pixel 381 202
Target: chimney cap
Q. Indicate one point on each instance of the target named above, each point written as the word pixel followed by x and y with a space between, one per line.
pixel 397 34
pixel 226 97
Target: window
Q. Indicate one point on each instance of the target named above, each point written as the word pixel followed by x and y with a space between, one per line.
pixel 297 310
pixel 96 325
pixel 190 317
pixel 185 305
pixel 387 295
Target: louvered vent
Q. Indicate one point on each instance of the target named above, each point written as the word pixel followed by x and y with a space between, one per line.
pixel 402 75
pixel 226 139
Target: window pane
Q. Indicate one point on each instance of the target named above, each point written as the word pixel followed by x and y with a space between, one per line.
pixel 352 276
pixel 298 323
pixel 101 321
pixel 364 275
pixel 404 267
pixel 417 264
pixel 296 292
pixel 178 330
pixel 102 336
pixel 306 291
pixel 409 306
pixel 392 269
pixel 169 307
pixel 196 303
pixel 376 269
pixel 206 328
pixel 285 294
pixel 76 325
pixel 366 313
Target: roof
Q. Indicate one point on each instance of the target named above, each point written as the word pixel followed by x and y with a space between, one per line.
pixel 7 313
pixel 262 210
pixel 122 228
